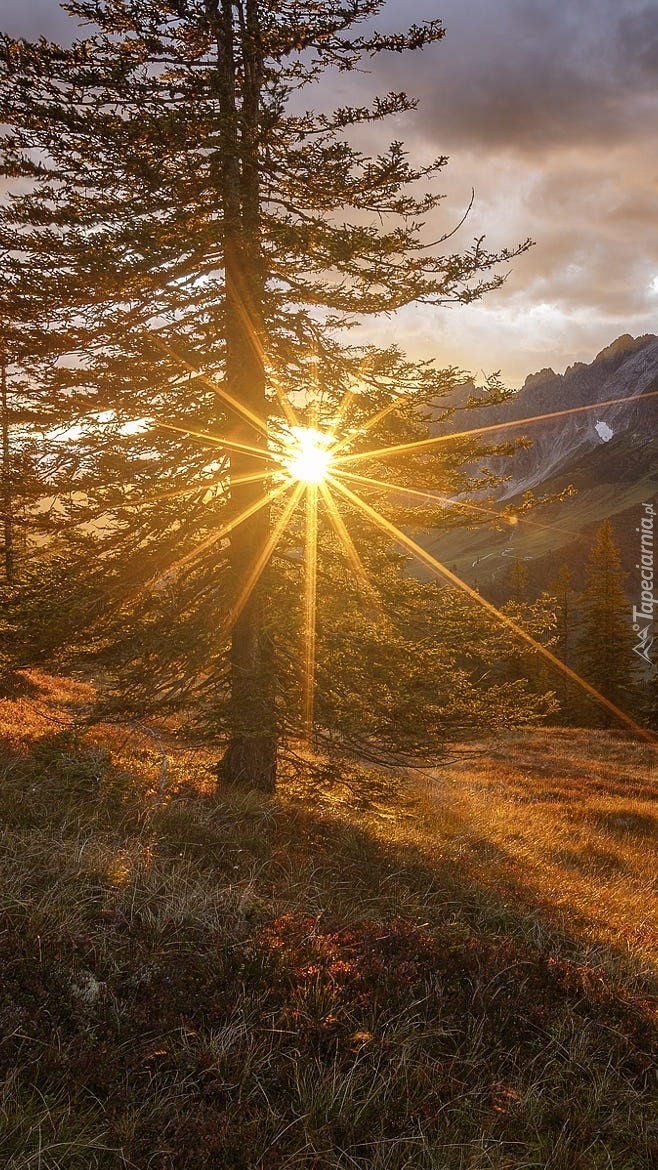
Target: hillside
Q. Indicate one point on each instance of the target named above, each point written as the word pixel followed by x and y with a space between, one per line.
pixel 373 970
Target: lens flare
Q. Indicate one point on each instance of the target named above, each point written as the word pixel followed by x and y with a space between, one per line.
pixel 308 455
pixel 314 464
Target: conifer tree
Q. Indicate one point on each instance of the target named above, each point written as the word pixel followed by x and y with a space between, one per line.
pixel 7 478
pixel 26 456
pixel 204 245
pixel 604 647
pixel 650 699
pixel 518 663
pixel 518 581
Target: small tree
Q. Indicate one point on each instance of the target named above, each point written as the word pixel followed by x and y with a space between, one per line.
pixel 650 699
pixel 561 597
pixel 518 581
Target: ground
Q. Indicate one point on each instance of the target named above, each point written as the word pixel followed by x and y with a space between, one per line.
pixel 379 970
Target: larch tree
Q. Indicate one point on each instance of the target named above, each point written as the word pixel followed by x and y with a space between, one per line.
pixel 207 243
pixel 22 340
pixel 26 455
pixel 7 476
pixel 518 581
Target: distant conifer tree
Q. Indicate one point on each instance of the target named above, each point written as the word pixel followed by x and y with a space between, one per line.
pixel 561 596
pixel 604 646
pixel 518 581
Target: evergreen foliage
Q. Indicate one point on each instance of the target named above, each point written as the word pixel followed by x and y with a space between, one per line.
pixel 604 647
pixel 561 597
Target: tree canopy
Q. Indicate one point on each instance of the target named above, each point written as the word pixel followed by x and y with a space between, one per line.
pixel 197 247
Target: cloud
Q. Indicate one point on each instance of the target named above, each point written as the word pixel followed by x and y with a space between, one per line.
pixel 638 41
pixel 549 111
pixel 36 18
pixel 532 76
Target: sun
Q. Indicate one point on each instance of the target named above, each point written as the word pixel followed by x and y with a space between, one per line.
pixel 307 456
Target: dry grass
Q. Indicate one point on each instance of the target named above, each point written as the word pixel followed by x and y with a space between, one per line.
pixel 375 971
pixel 567 820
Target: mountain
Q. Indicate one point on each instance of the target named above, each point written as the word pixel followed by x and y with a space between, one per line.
pixel 608 453
pixel 625 371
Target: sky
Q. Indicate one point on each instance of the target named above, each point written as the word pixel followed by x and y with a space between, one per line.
pixel 549 111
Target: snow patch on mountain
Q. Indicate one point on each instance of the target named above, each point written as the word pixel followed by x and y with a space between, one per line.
pixel 604 431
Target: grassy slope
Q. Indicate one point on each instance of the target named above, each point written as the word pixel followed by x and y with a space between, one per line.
pixel 385 971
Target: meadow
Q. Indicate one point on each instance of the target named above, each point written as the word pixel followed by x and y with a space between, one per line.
pixel 378 968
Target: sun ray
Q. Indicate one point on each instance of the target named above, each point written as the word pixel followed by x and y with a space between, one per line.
pixel 466 507
pixel 238 407
pixel 70 526
pixel 253 418
pixel 284 402
pixel 231 444
pixel 345 403
pixel 227 478
pixel 310 605
pixel 307 454
pixel 257 344
pixel 279 393
pixel 339 527
pixel 437 440
pixel 406 541
pixel 221 534
pixel 349 396
pixel 359 431
pixel 262 560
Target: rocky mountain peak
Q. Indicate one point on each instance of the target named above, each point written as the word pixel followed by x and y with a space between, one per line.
pixel 610 392
pixel 623 346
pixel 540 376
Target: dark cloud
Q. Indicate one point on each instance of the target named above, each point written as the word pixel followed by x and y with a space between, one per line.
pixel 532 76
pixel 638 39
pixel 549 110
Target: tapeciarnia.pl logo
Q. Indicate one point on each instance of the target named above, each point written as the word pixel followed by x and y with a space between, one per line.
pixel 643 614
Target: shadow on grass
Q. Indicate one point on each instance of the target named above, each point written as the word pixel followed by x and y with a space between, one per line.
pixel 18 685
pixel 225 980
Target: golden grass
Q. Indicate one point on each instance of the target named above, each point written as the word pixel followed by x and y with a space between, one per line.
pixel 373 971
pixel 43 703
pixel 566 821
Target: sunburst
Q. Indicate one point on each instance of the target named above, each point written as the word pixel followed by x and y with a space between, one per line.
pixel 317 467
pixel 308 454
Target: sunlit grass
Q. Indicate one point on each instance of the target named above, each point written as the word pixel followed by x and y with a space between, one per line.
pixel 373 970
pixel 569 820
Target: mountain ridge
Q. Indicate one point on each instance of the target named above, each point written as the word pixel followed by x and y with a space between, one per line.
pixel 621 374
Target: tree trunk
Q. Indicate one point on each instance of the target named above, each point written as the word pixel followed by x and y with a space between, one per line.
pixel 7 502
pixel 251 756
